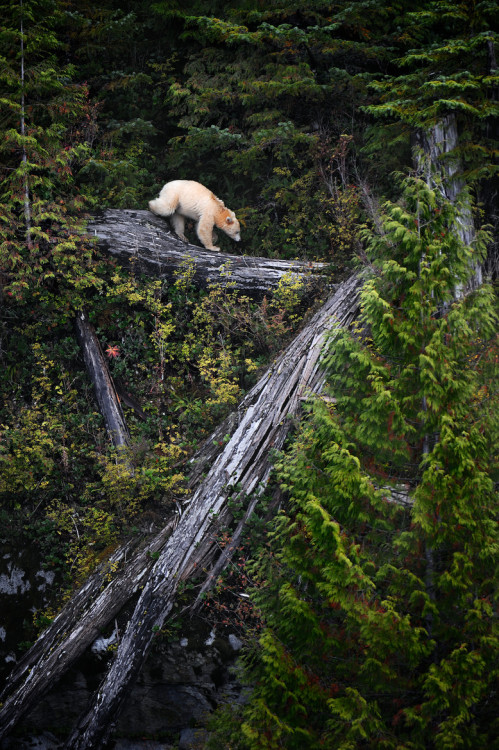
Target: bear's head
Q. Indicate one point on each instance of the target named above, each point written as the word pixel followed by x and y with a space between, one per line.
pixel 231 225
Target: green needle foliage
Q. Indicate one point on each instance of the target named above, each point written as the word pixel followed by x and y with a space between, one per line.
pixel 378 586
pixel 46 118
pixel 449 67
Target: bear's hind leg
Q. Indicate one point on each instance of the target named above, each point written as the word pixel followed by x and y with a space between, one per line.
pixel 178 225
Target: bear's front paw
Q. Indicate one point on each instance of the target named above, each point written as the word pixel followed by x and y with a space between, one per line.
pixel 214 249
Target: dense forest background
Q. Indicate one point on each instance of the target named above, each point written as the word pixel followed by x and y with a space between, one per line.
pixel 372 622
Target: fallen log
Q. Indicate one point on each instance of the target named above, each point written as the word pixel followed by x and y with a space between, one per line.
pixel 241 469
pixel 91 609
pixel 105 391
pixel 141 241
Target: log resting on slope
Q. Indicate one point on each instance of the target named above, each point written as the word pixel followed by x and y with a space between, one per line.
pixel 245 463
pixel 98 601
pixel 105 391
pixel 142 241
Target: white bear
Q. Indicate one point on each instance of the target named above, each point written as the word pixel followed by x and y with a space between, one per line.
pixel 187 199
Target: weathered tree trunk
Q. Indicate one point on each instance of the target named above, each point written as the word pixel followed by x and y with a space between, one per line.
pixel 91 608
pixel 142 241
pixel 105 391
pixel 441 167
pixel 244 463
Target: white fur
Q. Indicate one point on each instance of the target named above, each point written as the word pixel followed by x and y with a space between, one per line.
pixel 187 199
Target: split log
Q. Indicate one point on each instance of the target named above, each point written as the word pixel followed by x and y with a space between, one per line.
pixel 245 464
pixel 105 391
pixel 141 241
pixel 91 608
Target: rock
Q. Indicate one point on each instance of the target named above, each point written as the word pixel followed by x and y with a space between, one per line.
pixel 43 741
pixel 192 739
pixel 180 685
pixel 235 642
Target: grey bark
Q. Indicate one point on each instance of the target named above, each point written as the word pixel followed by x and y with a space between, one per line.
pixel 105 391
pixel 241 469
pixel 141 241
pixel 441 166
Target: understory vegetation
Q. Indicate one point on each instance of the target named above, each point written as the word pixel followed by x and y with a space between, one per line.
pixel 372 577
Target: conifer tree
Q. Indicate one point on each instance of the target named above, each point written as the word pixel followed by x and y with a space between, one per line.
pixel 378 591
pixel 45 120
pixel 449 67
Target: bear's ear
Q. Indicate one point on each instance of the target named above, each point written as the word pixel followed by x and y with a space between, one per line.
pixel 229 220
